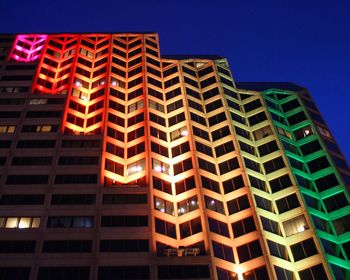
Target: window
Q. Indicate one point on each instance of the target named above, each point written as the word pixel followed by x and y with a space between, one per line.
pixel 318 164
pixel 243 226
pixel 22 199
pixel 164 206
pixel 17 246
pixel 280 183
pixel 123 272
pixel 174 106
pixel 295 225
pixel 214 204
pixel 200 133
pixel 287 203
pixel 15 273
pixel 124 221
pixel 156 106
pixel 223 252
pixel 173 93
pixel 284 274
pixel 135 167
pixel 268 148
pixel 124 199
pixel 70 222
pixel 162 185
pixel 27 179
pixel 273 165
pixel 258 118
pixel 228 165
pixel 224 274
pixel 135 150
pixel 159 133
pixel 135 119
pixel 252 105
pixel 313 273
pixel 136 106
pixel 29 144
pixel 67 246
pixel 19 222
pixel 310 147
pixel 7 129
pixel 183 166
pixel 170 71
pixel 114 150
pixel 176 119
pixel 190 228
pixel 116 134
pixel 198 119
pixel 303 132
pixel 114 167
pixel 297 118
pixel 213 105
pixel 76 179
pixel 207 166
pixel 157 119
pixel 256 274
pixel 335 202
pixel 242 132
pixel 182 272
pixel 31 161
pixel 180 149
pixel 134 134
pixel 270 225
pixel 78 160
pixel 43 114
pixel 278 250
pixel 187 205
pixel 238 204
pixel 249 251
pixel 40 128
pixel 159 166
pixel 165 228
pixel 220 133
pixel 73 199
pixel 326 182
pixel 224 149
pixel 208 82
pixel 171 82
pixel 185 185
pixel 218 227
pixel 304 249
pixel 128 245
pixel 247 148
pixel 195 105
pixel 233 184
pixel 210 184
pixel 219 118
pixel 64 273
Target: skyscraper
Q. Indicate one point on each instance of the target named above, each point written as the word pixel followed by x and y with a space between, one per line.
pixel 119 163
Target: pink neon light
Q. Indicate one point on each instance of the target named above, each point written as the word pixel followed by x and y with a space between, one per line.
pixel 28 54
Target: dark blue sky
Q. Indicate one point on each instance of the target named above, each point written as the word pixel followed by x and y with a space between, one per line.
pixel 305 42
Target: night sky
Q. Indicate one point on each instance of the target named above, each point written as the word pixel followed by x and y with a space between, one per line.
pixel 305 42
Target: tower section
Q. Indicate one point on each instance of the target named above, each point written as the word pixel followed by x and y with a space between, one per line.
pixel 322 188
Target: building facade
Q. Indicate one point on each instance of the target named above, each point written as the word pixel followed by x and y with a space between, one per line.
pixel 119 163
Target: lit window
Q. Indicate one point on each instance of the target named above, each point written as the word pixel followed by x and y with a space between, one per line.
pixel 295 225
pixel 19 222
pixel 187 205
pixel 163 206
pixel 159 166
pixel 136 167
pixel 9 129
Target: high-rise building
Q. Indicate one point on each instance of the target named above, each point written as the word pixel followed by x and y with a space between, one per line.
pixel 119 163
